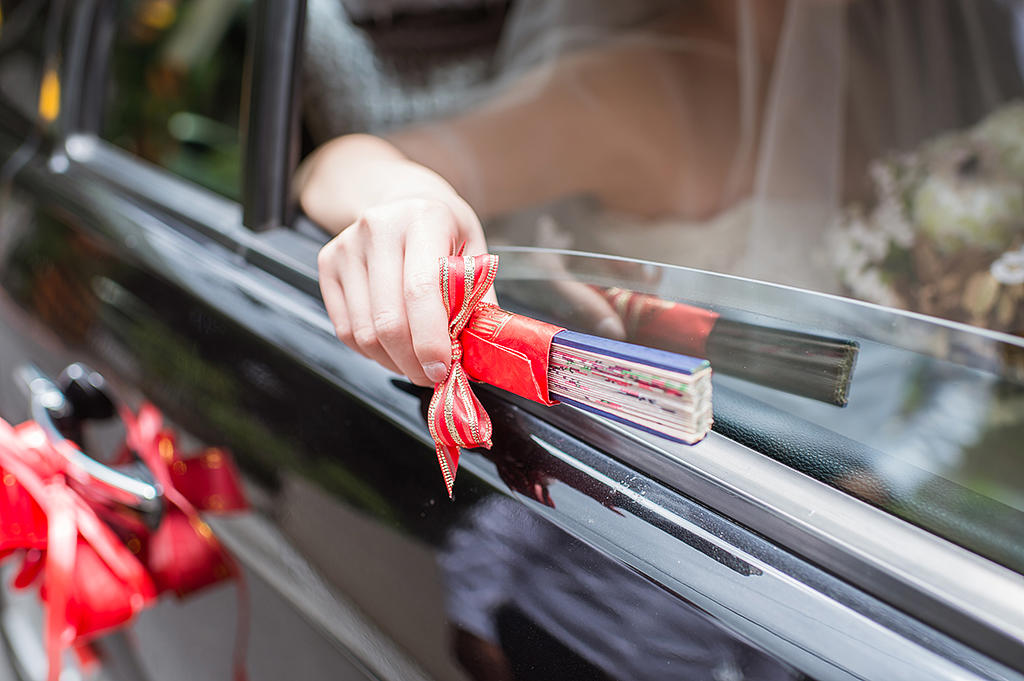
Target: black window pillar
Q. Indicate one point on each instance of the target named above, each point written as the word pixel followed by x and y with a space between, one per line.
pixel 271 107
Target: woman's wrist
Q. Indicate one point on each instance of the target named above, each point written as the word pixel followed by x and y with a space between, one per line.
pixel 351 174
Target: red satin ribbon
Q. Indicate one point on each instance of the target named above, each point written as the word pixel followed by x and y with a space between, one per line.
pixel 455 416
pixel 183 555
pixel 89 581
pixel 97 569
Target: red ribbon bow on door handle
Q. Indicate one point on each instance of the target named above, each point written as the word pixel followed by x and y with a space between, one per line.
pixel 97 568
pixel 455 416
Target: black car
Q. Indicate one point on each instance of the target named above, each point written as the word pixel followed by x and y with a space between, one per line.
pixel 148 230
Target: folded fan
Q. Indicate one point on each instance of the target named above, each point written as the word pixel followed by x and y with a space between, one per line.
pixel 659 391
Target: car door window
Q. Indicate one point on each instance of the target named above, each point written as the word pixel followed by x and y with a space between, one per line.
pixel 871 150
pixel 861 148
pixel 932 421
pixel 175 87
pixel 22 50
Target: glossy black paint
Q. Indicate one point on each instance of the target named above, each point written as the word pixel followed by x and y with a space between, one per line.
pixel 289 424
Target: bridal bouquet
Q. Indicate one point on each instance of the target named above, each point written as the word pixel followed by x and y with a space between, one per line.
pixel 945 234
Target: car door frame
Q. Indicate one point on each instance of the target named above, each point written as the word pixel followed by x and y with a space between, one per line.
pixel 888 558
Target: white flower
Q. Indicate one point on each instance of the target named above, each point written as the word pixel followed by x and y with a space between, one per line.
pixel 855 259
pixel 978 212
pixel 874 241
pixel 892 221
pixel 1004 130
pixel 883 176
pixel 847 253
pixel 868 285
pixel 1009 268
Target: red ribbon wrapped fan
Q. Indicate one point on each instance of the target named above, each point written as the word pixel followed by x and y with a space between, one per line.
pixel 514 353
pixel 489 345
pixel 97 568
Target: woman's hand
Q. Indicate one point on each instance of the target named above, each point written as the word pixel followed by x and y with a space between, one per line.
pixel 379 280
pixel 394 220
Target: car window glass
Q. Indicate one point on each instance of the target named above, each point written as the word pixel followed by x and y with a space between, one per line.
pixel 921 418
pixel 860 147
pixel 860 150
pixel 174 87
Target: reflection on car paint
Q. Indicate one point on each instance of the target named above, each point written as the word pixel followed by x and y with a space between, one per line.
pixel 502 564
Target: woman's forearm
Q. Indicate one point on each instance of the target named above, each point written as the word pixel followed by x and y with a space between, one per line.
pixel 349 174
pixel 608 123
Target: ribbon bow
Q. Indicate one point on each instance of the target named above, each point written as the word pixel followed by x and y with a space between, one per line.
pixel 455 416
pixel 96 568
pixel 90 581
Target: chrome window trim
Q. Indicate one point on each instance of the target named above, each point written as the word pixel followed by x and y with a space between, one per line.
pixel 801 613
pixel 944 585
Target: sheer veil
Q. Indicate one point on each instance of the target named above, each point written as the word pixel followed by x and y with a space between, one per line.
pixel 783 107
pixel 852 83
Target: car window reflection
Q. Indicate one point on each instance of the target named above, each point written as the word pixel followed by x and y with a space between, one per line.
pixel 175 87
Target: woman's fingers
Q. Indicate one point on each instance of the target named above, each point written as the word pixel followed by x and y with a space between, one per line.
pixel 329 263
pixel 354 285
pixel 389 308
pixel 334 301
pixel 379 280
pixel 428 321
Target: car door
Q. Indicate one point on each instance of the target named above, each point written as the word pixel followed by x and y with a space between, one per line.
pixel 145 246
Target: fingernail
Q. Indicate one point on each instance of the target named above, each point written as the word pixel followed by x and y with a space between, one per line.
pixel 610 327
pixel 435 371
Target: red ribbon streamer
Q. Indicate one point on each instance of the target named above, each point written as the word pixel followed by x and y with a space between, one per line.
pixel 182 555
pixel 455 416
pixel 97 568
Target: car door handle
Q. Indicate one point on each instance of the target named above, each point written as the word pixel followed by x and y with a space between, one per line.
pixel 137 491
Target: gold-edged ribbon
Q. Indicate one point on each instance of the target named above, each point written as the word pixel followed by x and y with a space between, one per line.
pixel 455 416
